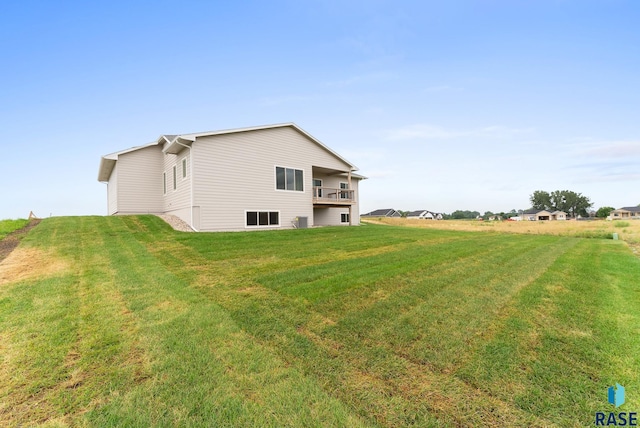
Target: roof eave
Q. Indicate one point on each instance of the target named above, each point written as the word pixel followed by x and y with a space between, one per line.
pixel 106 168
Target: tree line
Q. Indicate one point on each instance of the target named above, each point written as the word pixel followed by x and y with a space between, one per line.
pixel 572 203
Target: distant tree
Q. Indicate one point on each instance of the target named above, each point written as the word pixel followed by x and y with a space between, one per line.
pixel 603 212
pixel 568 201
pixel 459 214
pixel 487 214
pixel 403 214
pixel 540 200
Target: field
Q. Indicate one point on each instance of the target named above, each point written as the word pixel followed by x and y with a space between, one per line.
pixel 120 321
pixel 628 230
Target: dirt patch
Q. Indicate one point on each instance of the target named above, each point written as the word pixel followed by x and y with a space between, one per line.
pixel 27 263
pixel 11 241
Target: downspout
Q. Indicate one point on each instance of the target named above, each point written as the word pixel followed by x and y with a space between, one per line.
pixel 190 179
pixel 350 190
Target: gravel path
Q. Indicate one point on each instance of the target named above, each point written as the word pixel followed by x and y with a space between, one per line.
pixel 176 222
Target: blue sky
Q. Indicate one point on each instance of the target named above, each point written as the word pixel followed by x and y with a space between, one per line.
pixel 468 105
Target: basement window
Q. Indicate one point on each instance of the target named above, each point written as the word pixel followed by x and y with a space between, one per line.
pixel 344 217
pixel 262 218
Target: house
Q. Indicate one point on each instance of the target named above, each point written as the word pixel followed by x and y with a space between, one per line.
pixel 385 212
pixel 424 214
pixel 537 215
pixel 625 213
pixel 264 177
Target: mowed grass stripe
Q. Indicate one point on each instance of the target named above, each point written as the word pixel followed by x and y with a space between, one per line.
pixel 198 367
pixel 461 301
pixel 574 333
pixel 277 327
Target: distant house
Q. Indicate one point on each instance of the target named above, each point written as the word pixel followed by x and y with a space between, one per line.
pixel 385 212
pixel 424 215
pixel 265 177
pixel 625 213
pixel 542 215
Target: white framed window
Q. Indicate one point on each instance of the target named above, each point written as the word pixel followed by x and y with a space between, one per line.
pixel 318 183
pixel 289 179
pixel 175 177
pixel 344 217
pixel 164 183
pixel 262 218
pixel 184 168
pixel 344 186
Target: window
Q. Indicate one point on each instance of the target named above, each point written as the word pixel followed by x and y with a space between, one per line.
pixel 184 168
pixel 344 217
pixel 175 178
pixel 263 218
pixel 289 179
pixel 164 183
pixel 318 183
pixel 344 186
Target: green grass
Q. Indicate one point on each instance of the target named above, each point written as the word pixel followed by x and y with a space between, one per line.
pixel 621 224
pixel 8 226
pixel 139 325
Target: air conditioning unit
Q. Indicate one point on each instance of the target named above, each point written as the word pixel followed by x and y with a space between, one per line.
pixel 301 222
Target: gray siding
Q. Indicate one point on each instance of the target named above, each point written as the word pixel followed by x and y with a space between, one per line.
pixel 178 201
pixel 139 181
pixel 236 172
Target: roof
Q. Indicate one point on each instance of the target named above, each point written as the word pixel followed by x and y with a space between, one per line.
pixel 177 142
pixel 385 212
pixel 107 162
pixel 632 209
pixel 173 144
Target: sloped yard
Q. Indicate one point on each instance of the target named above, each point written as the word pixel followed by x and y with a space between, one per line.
pixel 120 321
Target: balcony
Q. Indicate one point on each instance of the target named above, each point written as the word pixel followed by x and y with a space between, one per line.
pixel 330 196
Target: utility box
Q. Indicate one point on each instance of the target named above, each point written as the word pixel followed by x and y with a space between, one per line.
pixel 301 222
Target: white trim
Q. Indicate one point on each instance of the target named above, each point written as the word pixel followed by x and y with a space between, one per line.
pixel 275 179
pixel 262 226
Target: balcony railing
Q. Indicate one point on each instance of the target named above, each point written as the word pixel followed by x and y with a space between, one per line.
pixel 333 196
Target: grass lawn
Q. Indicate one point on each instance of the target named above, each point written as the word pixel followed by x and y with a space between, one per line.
pixel 8 226
pixel 120 321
